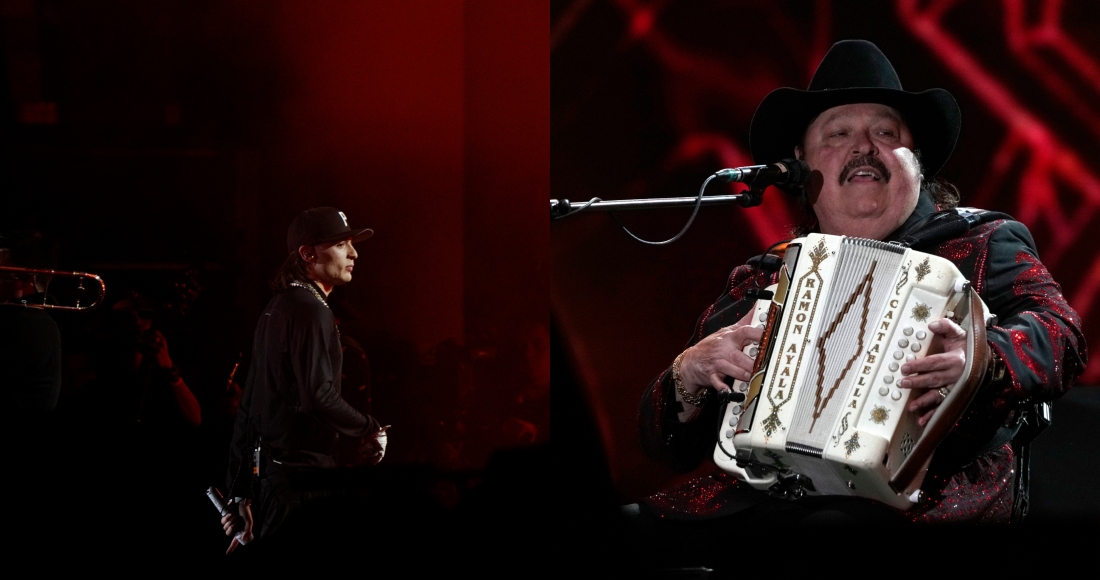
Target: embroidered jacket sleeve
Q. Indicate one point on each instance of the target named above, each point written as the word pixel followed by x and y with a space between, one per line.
pixel 1037 334
pixel 683 445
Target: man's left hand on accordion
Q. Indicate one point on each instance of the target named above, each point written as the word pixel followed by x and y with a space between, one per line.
pixel 932 376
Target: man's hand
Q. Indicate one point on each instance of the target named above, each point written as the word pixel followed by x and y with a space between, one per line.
pixel 928 375
pixel 238 525
pixel 720 355
pixel 160 350
pixel 373 447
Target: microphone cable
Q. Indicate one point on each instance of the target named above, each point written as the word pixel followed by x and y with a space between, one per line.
pixel 694 212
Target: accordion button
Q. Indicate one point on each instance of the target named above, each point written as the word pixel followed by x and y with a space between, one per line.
pixel 895 395
pixel 898 355
pixel 888 379
pixel 903 342
pixel 754 351
pixel 742 387
pixel 893 368
pixel 922 335
pixel 908 331
pixel 729 433
pixel 736 410
pixel 733 418
pixel 915 347
pixel 883 391
pixel 910 357
pixel 763 317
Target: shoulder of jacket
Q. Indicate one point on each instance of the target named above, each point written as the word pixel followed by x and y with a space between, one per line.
pixel 295 300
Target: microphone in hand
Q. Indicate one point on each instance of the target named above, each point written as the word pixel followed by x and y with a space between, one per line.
pixel 231 520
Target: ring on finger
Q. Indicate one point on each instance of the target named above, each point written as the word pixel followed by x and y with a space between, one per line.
pixel 943 392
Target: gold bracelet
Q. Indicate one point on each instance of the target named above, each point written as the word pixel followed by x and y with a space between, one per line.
pixel 698 398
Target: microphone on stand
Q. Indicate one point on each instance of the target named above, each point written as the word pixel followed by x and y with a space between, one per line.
pixel 787 174
pixel 784 173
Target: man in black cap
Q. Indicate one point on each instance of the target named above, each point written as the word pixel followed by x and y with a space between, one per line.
pixel 873 151
pixel 291 411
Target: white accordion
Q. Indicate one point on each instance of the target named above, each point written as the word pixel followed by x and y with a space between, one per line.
pixel 822 412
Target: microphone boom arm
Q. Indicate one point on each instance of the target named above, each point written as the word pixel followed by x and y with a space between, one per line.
pixel 563 207
pixel 783 173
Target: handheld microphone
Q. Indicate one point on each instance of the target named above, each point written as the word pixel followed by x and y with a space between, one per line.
pixel 223 508
pixel 785 173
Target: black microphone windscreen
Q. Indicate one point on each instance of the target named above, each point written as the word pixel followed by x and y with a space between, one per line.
pixel 796 175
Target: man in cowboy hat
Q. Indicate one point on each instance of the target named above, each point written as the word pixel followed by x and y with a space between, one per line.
pixel 291 410
pixel 873 150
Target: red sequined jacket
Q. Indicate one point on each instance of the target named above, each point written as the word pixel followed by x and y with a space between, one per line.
pixel 1037 334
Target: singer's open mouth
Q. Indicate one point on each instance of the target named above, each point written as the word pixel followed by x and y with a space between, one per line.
pixel 864 175
pixel 865 169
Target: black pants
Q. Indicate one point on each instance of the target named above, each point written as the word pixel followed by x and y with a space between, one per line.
pixel 277 498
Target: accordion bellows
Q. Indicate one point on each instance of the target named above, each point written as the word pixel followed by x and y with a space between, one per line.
pixel 823 408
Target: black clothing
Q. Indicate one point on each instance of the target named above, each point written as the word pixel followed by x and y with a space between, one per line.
pixel 30 356
pixel 291 403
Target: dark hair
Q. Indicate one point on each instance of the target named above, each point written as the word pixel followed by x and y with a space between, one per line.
pixel 294 269
pixel 944 194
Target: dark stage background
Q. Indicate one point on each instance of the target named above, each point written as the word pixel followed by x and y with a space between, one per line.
pixel 165 146
pixel 650 98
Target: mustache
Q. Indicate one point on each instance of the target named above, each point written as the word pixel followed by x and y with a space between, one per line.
pixel 865 160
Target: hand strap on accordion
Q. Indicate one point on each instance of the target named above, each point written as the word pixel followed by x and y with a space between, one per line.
pixel 953 407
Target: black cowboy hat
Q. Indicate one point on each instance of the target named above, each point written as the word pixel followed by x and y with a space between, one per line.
pixel 855 71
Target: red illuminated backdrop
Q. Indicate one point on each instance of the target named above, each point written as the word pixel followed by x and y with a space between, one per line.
pixel 152 138
pixel 649 98
pixel 149 138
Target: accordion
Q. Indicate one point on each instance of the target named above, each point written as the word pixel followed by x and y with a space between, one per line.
pixel 822 413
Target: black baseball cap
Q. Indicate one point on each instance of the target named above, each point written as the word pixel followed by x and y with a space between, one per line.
pixel 321 225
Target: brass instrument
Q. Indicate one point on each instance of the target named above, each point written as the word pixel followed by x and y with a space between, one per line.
pixel 48 275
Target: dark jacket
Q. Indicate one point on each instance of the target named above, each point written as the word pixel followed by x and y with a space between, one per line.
pixel 291 398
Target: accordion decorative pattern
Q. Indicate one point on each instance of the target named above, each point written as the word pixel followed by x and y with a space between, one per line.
pixel 823 403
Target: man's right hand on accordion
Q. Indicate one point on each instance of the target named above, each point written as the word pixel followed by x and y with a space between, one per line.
pixel 931 377
pixel 714 358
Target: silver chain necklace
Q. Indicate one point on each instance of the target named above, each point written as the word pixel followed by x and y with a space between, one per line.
pixel 312 289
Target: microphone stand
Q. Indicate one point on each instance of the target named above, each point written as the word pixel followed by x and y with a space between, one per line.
pixel 787 172
pixel 560 208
